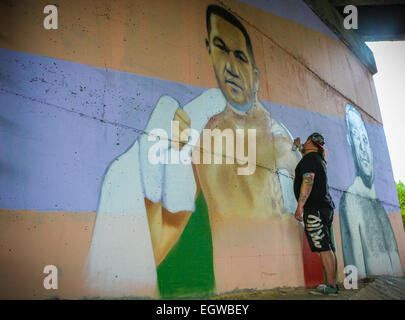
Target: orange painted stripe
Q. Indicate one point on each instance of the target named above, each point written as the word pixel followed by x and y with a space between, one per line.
pixel 29 240
pixel 298 66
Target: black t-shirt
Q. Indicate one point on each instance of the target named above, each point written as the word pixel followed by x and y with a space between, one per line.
pixel 319 196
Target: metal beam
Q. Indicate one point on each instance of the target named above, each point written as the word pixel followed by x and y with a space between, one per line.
pixel 341 3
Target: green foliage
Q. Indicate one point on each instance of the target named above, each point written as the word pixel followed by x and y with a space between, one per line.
pixel 401 197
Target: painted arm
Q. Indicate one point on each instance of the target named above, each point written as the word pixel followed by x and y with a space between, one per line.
pixel 165 227
pixel 305 191
pixel 391 242
pixel 350 232
pixel 285 157
pixel 172 206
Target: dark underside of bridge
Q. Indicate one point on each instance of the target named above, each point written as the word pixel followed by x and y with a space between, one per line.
pixel 378 20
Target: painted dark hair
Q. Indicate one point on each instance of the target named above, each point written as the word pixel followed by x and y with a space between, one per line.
pixel 226 15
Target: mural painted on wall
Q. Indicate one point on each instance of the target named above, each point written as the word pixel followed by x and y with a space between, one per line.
pixel 144 207
pixel 368 239
pixel 77 183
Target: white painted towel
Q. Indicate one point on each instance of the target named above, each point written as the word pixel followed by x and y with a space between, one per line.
pixel 120 261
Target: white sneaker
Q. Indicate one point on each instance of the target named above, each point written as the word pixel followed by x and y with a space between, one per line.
pixel 321 286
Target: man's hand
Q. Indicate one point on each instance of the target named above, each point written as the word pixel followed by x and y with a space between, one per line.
pixel 298 213
pixel 184 123
pixel 297 142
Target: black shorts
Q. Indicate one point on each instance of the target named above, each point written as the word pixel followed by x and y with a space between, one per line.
pixel 318 224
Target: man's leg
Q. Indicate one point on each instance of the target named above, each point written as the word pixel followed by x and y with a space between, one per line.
pixel 318 235
pixel 329 265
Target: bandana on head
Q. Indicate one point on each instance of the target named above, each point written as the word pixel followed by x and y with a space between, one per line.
pixel 318 139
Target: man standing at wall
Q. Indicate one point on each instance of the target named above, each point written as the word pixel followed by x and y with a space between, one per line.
pixel 315 207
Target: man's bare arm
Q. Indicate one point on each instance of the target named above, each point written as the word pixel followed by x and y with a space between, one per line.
pixel 305 191
pixel 173 227
pixel 165 228
pixel 306 187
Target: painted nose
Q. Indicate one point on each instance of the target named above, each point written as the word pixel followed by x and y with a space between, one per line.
pixel 362 147
pixel 231 66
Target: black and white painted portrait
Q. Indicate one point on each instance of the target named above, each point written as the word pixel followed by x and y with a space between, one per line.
pixel 368 240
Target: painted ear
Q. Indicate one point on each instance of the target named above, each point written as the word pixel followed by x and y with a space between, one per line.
pixel 207 44
pixel 348 140
pixel 256 83
pixel 256 72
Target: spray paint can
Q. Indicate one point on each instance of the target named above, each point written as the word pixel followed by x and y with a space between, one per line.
pixel 297 145
pixel 300 148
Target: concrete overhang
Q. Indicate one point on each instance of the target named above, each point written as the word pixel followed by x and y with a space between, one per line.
pixel 378 20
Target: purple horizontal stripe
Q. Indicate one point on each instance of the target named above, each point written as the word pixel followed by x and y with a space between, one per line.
pixel 63 123
pixel 341 170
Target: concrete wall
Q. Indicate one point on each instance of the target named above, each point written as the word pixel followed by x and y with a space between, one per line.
pixel 76 99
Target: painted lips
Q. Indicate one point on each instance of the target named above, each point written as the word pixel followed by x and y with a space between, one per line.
pixel 233 83
pixel 365 161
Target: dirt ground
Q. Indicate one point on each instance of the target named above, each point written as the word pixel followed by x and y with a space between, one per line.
pixel 377 288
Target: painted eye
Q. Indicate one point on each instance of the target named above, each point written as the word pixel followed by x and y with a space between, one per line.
pixel 221 47
pixel 241 56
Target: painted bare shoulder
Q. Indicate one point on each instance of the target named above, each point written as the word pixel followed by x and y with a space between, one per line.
pixel 278 129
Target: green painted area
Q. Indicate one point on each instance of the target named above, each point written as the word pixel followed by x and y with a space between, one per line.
pixel 188 269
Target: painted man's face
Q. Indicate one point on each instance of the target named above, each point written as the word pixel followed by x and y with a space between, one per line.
pixel 363 153
pixel 232 64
